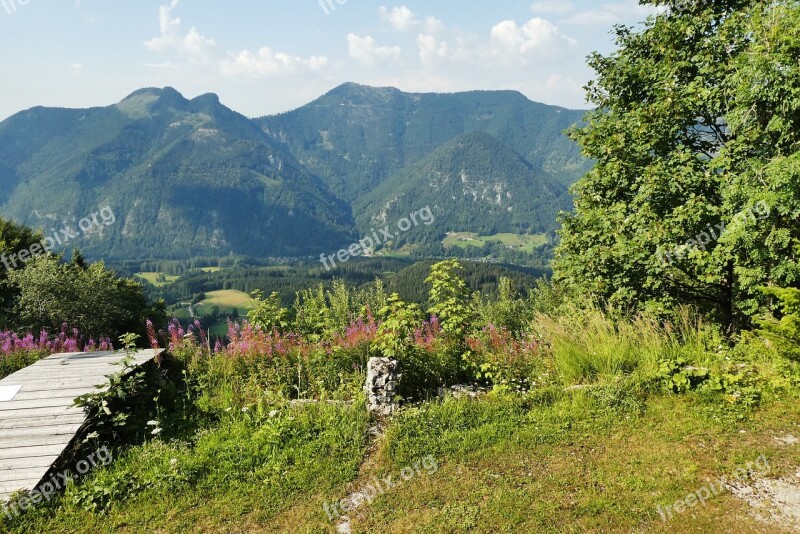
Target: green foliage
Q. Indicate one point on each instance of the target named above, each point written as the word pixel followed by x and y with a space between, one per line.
pixel 109 409
pixel 449 299
pixel 786 332
pixel 267 312
pixel 680 377
pixel 14 238
pixel 339 298
pixel 90 298
pixel 312 313
pixel 510 311
pixel 395 334
pixel 277 452
pixel 693 196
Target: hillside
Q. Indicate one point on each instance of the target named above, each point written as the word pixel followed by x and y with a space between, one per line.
pixel 187 178
pixel 473 181
pixel 354 137
pixel 183 177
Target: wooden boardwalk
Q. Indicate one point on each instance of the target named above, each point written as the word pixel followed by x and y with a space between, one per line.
pixel 37 419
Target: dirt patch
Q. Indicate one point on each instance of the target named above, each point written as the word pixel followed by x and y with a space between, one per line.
pixel 772 501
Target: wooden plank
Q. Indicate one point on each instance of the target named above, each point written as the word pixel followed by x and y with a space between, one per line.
pixel 44 421
pixel 40 462
pixel 70 393
pixel 29 452
pixel 54 385
pixel 38 422
pixel 10 475
pixel 30 441
pixel 39 412
pixel 11 486
pixel 35 403
pixel 26 432
pixel 98 372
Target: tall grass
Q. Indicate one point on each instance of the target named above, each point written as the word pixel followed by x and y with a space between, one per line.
pixel 592 347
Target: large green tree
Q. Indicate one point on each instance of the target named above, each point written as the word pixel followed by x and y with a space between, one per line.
pixel 14 238
pixel 695 195
pixel 88 297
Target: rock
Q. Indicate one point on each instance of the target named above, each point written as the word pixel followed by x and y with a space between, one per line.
pixel 461 390
pixel 382 379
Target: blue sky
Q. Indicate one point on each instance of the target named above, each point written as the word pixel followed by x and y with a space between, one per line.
pixel 268 56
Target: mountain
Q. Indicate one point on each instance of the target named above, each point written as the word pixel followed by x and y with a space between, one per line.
pixel 183 177
pixel 474 182
pixel 355 137
pixel 187 178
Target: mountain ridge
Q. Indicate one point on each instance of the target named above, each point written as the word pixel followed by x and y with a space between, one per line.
pixel 194 177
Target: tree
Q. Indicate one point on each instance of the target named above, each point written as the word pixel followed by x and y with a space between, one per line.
pixel 396 331
pixel 449 297
pixel 786 332
pixel 267 313
pixel 14 238
pixel 89 298
pixel 694 195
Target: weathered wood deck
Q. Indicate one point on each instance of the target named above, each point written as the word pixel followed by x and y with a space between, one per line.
pixel 37 419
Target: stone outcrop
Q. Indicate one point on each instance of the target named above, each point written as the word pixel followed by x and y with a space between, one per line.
pixel 382 379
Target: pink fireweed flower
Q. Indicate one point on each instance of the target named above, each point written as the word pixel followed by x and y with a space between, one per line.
pixel 151 334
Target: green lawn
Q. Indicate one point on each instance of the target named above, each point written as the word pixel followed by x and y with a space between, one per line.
pixel 157 279
pixel 227 300
pixel 568 463
pixel 522 243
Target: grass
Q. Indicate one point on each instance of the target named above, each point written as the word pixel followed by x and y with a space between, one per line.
pixel 599 457
pixel 570 467
pixel 523 243
pixel 161 279
pixel 247 468
pixel 157 279
pixel 552 462
pixel 227 300
pixel 595 348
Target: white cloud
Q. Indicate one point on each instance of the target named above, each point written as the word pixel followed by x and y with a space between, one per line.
pixel 403 19
pixel 431 49
pixel 192 44
pixel 367 52
pixel 267 63
pixel 537 39
pixel 200 49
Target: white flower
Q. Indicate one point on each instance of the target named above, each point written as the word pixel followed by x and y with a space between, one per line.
pixel 273 413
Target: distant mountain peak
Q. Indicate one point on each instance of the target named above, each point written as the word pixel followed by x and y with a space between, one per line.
pixel 207 98
pixel 159 92
pixel 144 102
